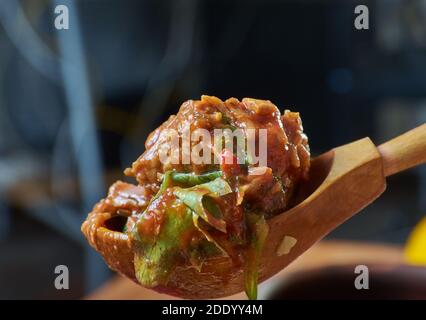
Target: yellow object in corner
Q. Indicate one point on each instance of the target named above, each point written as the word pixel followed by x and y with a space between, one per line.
pixel 415 248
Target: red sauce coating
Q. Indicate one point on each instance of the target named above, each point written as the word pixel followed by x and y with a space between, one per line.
pixel 288 161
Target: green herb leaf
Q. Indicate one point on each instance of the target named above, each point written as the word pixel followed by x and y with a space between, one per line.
pixel 167 181
pixel 259 231
pixel 155 258
pixel 157 254
pixel 191 179
pixel 195 218
pixel 196 198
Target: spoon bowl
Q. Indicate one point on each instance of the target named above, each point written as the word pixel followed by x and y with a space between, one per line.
pixel 342 182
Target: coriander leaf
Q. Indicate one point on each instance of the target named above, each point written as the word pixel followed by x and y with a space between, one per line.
pixel 195 218
pixel 167 180
pixel 194 198
pixel 191 179
pixel 155 257
pixel 259 231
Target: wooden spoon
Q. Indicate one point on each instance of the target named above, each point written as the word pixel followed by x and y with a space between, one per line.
pixel 342 182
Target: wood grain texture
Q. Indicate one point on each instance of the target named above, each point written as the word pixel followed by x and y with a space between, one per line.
pixel 405 151
pixel 355 180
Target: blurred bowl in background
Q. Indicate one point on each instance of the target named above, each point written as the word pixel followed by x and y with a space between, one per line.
pixel 386 281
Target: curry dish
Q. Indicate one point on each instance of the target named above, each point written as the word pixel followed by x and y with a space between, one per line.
pixel 184 222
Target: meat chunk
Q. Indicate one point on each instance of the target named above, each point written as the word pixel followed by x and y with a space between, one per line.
pixel 184 213
pixel 287 147
pixel 124 199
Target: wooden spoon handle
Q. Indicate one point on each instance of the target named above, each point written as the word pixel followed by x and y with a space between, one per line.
pixel 405 151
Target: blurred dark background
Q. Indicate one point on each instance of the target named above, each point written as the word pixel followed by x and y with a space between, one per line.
pixel 76 105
